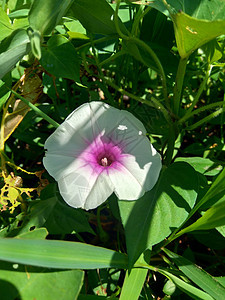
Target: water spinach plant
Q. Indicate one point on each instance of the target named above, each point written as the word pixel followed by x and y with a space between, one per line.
pixel 112 149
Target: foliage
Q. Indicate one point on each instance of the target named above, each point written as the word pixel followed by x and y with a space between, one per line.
pixel 161 60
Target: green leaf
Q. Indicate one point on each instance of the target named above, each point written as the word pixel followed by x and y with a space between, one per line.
pixel 133 283
pixel 53 213
pixel 57 63
pixel 216 190
pixel 27 282
pixel 202 165
pixel 5 25
pixel 212 218
pixel 213 51
pixel 192 33
pixel 39 233
pixel 187 288
pixel 44 15
pixel 96 16
pixel 204 280
pixel 59 254
pixel 12 49
pixel 195 22
pixel 153 217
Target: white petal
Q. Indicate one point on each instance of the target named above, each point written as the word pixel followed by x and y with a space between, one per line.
pixel 126 185
pixel 59 166
pixel 77 131
pixel 139 172
pixel 86 191
pixel 144 162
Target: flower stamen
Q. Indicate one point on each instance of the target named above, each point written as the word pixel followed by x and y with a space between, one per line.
pixel 105 162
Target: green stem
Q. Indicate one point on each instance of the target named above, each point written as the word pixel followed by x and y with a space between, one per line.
pixel 206 119
pixel 98 41
pixel 199 110
pixel 104 88
pixel 200 90
pixel 111 58
pixel 140 15
pixel 36 109
pixel 148 49
pixel 116 22
pixel 170 145
pixel 153 101
pixel 179 85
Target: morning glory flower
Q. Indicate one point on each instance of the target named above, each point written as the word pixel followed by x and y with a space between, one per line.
pixel 99 150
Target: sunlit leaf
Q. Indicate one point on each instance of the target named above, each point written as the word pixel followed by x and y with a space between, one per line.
pixel 12 49
pixel 195 22
pixel 96 16
pixel 60 254
pixel 133 284
pixel 203 279
pixel 5 25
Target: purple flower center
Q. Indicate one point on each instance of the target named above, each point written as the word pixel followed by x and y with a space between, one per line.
pixel 103 155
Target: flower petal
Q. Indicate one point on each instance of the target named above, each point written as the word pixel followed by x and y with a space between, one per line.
pixel 139 171
pixel 86 191
pixel 59 165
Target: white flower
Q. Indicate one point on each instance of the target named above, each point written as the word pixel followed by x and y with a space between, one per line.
pixel 99 150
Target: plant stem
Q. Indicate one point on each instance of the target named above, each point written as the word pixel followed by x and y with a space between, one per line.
pixel 145 47
pixel 154 102
pixel 101 40
pixel 199 110
pixel 112 57
pixel 200 90
pixel 36 109
pixel 206 119
pixel 179 85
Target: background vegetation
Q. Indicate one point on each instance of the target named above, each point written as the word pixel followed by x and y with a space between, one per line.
pixel 163 62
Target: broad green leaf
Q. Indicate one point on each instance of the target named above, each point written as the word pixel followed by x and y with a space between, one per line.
pixel 12 49
pixel 153 217
pixel 195 22
pixel 60 254
pixel 27 282
pixel 202 165
pixel 5 25
pixel 44 15
pixel 96 16
pixel 187 288
pixel 53 213
pixel 57 63
pixel 212 218
pixel 200 9
pixel 133 283
pixel 192 33
pixel 204 280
